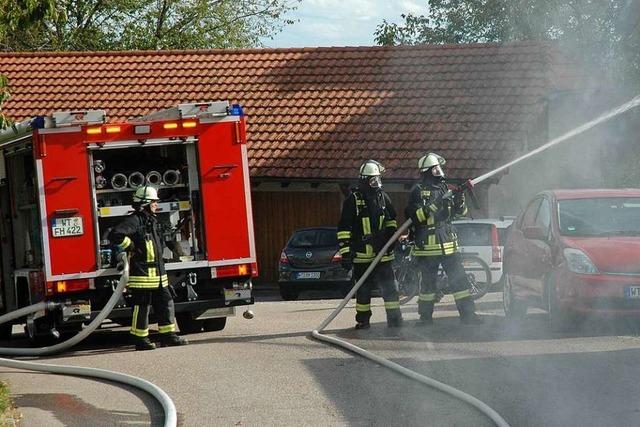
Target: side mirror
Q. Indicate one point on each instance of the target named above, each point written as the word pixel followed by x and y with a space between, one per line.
pixel 535 233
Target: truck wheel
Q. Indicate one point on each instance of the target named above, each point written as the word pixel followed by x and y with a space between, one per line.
pixel 187 324
pixel 216 324
pixel 39 333
pixel 5 331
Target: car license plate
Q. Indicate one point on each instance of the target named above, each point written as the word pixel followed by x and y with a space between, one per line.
pixel 70 226
pixel 237 294
pixel 308 275
pixel 632 292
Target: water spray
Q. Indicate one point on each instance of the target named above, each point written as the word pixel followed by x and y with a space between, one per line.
pixel 481 406
pixel 580 129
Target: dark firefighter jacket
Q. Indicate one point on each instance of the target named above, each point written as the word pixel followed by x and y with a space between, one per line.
pixel 140 234
pixel 366 224
pixel 432 215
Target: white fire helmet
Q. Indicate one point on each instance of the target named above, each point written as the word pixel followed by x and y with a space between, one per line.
pixel 145 194
pixel 372 170
pixel 432 160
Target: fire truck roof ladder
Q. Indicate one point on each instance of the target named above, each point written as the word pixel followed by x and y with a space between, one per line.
pixel 78 117
pixel 188 111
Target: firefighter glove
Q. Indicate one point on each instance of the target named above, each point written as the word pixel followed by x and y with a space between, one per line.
pixel 121 257
pixel 448 196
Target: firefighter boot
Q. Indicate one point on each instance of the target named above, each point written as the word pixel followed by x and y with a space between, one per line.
pixel 363 324
pixel 394 322
pixel 394 318
pixel 143 343
pixel 171 340
pixel 467 309
pixel 425 308
pixel 362 317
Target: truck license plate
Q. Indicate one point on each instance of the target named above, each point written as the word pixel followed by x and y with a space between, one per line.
pixel 76 311
pixel 237 294
pixel 70 226
pixel 632 292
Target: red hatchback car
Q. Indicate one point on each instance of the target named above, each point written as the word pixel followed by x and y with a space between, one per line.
pixel 575 253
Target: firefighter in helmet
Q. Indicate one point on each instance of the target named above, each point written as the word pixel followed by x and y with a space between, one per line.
pixel 367 221
pixel 432 206
pixel 140 236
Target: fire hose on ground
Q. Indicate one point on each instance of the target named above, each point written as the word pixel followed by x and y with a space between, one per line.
pixel 481 406
pixel 169 408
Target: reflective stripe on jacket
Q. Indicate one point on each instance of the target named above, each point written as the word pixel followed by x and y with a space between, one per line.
pixel 431 215
pixel 365 223
pixel 140 235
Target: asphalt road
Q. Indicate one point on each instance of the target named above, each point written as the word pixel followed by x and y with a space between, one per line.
pixel 267 371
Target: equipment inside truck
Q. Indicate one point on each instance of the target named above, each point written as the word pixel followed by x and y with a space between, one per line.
pixel 116 176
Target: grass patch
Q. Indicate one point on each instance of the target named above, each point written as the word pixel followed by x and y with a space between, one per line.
pixel 7 412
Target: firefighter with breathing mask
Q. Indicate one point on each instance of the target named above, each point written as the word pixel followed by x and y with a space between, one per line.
pixel 367 221
pixel 141 237
pixel 432 206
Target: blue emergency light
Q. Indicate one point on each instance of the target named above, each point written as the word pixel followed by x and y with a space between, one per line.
pixel 236 110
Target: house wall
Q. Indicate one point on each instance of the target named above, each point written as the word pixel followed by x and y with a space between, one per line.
pixel 278 212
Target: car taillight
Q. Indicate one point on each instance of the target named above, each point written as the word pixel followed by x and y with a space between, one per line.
pixel 283 258
pixel 337 257
pixel 496 253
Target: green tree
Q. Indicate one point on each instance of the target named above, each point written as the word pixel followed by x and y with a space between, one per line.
pixel 4 95
pixel 138 24
pixel 605 31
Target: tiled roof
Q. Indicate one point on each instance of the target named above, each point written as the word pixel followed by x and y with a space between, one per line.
pixel 316 112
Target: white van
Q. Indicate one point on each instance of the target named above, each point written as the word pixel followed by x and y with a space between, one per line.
pixel 484 238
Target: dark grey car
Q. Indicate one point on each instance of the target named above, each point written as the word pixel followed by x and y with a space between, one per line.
pixel 310 261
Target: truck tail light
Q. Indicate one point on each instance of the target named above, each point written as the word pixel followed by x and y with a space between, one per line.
pixel 189 124
pixel 113 129
pixel 496 253
pixel 231 270
pixel 63 286
pixel 337 258
pixel 283 258
pixel 170 125
pixel 97 130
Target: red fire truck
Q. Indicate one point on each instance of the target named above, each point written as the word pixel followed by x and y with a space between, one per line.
pixel 67 178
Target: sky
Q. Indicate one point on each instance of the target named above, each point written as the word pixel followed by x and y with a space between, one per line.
pixel 341 22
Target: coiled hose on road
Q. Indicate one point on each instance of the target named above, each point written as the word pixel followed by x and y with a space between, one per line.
pixel 169 408
pixel 317 333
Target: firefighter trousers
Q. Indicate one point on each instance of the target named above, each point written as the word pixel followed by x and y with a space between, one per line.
pixel 381 278
pixel 161 300
pixel 459 285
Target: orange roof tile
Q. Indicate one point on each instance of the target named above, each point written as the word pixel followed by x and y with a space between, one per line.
pixel 318 112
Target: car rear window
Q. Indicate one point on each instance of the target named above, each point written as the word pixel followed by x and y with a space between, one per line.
pixel 474 234
pixel 314 238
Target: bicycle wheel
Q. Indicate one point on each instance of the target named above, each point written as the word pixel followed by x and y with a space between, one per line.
pixel 478 273
pixel 408 279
